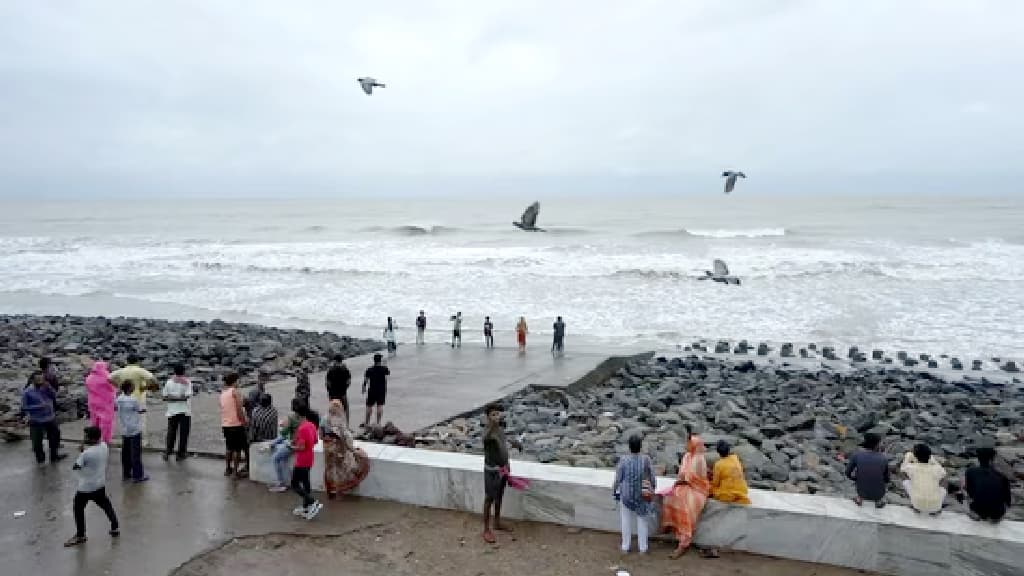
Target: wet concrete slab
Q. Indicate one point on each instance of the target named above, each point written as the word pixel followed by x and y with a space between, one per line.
pixel 428 384
pixel 184 509
pixel 189 520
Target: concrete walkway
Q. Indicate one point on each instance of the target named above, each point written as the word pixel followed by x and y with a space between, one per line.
pixel 428 384
pixel 189 520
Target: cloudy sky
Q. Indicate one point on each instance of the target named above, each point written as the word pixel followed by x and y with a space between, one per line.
pixel 175 95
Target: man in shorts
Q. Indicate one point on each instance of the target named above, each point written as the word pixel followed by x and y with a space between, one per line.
pixel 495 470
pixel 457 329
pixel 376 379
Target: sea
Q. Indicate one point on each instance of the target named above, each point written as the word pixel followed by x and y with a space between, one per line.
pixel 916 273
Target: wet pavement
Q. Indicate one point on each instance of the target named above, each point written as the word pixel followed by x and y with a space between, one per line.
pixel 428 384
pixel 189 520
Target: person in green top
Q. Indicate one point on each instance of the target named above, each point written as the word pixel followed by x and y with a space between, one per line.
pixel 281 450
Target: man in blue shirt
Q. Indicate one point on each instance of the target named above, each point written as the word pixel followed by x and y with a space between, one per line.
pixel 38 404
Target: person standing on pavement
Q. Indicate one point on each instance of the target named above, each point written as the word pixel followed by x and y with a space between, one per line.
pixel 488 332
pixel 521 331
pixel 338 380
pixel 177 393
pixel 376 378
pixel 303 443
pixel 389 337
pixel 101 395
pixel 232 421
pixel 457 329
pixel 421 328
pixel 129 421
pixel 142 381
pixel 39 407
pixel 558 343
pixel 91 470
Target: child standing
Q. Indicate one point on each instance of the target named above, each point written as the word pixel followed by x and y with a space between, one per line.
pixel 634 489
pixel 302 445
pixel 496 470
pixel 91 469
pixel 869 468
pixel 129 421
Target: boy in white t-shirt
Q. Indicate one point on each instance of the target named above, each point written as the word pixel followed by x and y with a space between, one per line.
pixel 91 470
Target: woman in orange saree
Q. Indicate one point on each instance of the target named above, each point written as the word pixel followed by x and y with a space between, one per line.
pixel 682 506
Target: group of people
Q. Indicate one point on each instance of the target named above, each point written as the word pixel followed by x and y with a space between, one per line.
pixel 390 335
pixel 121 396
pixel 926 481
pixel 634 487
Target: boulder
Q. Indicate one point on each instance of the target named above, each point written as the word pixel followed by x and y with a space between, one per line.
pixel 955 364
pixel 750 456
pixel 976 365
pixel 762 349
pixel 800 422
pixel 877 354
pixel 1011 366
pixel 787 350
pixel 722 347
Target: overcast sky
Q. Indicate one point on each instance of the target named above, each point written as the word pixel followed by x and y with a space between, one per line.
pixel 164 95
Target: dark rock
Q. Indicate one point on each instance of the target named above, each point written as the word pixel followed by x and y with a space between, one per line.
pixel 901 355
pixel 877 354
pixel 804 353
pixel 933 364
pixel 976 365
pixel 772 431
pixel 909 362
pixel 722 348
pixel 1011 366
pixel 762 349
pixel 787 350
pixel 955 364
pixel 800 422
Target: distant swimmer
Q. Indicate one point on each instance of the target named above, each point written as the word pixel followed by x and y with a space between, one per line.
pixel 720 274
pixel 730 178
pixel 528 221
pixel 369 84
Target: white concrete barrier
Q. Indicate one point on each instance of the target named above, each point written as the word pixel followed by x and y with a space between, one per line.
pixel 893 540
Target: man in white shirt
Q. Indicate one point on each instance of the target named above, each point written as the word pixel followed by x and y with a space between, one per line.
pixel 924 480
pixel 177 393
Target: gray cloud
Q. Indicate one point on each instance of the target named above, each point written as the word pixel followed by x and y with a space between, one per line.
pixel 170 94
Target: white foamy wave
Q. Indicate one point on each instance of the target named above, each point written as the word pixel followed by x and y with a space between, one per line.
pixel 740 233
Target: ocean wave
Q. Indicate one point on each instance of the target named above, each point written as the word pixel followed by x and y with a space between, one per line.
pixel 412 230
pixel 722 233
pixel 223 266
pixel 652 274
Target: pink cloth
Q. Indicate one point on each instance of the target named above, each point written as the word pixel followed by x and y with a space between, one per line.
pixel 515 482
pixel 101 399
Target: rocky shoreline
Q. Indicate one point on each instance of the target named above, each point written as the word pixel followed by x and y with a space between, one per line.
pixel 793 427
pixel 208 349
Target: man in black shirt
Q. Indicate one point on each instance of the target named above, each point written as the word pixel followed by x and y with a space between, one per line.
pixel 337 381
pixel 988 490
pixel 377 379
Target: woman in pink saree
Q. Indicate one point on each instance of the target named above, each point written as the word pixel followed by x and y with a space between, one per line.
pixel 682 506
pixel 101 399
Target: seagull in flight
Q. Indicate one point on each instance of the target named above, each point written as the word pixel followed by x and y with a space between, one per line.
pixel 369 83
pixel 730 178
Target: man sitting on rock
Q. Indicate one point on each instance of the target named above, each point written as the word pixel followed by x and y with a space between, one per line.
pixel 869 468
pixel 924 480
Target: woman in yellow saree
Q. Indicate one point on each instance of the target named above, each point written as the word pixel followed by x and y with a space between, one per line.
pixel 682 506
pixel 727 481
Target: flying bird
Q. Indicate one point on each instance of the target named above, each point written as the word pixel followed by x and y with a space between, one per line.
pixel 730 178
pixel 529 219
pixel 368 84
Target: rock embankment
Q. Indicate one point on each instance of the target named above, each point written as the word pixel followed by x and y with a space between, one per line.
pixel 208 349
pixel 792 427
